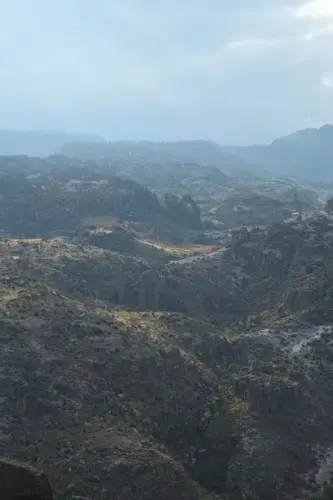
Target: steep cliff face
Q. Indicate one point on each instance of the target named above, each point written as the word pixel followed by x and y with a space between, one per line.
pixel 285 269
pixel 282 270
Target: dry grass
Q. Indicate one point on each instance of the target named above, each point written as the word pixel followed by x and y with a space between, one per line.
pixel 106 221
pixel 238 408
pixel 142 323
pixel 8 294
pixel 98 435
pixel 20 241
pixel 188 249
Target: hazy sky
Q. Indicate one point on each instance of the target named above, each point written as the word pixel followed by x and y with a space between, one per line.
pixel 235 71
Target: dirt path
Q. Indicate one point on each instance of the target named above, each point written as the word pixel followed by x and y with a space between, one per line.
pixel 202 256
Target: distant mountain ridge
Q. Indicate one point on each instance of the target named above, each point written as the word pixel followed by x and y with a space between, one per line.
pixel 306 154
pixel 199 151
pixel 38 142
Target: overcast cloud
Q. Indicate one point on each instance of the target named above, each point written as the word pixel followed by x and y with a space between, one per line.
pixel 235 72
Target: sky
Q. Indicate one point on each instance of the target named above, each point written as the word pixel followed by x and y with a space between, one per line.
pixel 236 72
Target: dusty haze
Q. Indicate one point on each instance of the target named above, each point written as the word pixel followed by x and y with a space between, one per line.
pixel 234 72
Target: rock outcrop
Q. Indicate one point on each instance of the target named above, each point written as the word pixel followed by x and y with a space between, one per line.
pixel 22 482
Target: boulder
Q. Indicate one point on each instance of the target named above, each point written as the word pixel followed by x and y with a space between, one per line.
pixel 22 482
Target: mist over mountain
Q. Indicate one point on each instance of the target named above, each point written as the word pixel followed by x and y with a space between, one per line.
pixel 38 143
pixel 306 154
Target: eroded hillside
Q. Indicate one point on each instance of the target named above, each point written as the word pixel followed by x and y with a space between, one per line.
pixel 138 362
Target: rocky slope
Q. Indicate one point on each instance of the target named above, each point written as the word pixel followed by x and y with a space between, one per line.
pixel 58 197
pixel 305 154
pixel 150 404
pixel 279 270
pixel 109 402
pixel 136 363
pixel 40 195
